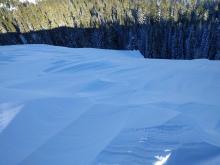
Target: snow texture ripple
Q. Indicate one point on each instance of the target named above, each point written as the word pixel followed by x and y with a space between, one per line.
pixel 105 107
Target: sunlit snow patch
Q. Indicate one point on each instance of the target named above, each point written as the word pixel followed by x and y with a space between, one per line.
pixel 10 8
pixel 7 113
pixel 161 160
pixel 30 1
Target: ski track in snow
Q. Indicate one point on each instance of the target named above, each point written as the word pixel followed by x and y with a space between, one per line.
pixel 105 107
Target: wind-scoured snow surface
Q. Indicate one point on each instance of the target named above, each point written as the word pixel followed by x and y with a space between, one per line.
pixel 63 106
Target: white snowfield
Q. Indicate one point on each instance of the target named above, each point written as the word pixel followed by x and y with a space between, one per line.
pixel 63 106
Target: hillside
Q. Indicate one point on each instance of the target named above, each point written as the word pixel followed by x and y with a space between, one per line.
pixel 103 107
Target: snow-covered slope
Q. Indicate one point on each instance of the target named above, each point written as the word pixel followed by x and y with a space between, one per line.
pixel 63 106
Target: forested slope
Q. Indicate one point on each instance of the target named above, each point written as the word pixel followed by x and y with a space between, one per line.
pixel 176 29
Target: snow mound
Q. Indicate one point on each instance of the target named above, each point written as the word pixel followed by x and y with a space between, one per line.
pixel 30 1
pixel 106 107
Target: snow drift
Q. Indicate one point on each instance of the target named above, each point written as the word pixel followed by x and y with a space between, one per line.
pixel 105 107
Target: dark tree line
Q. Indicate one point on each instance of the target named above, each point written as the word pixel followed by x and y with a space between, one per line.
pixel 172 29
